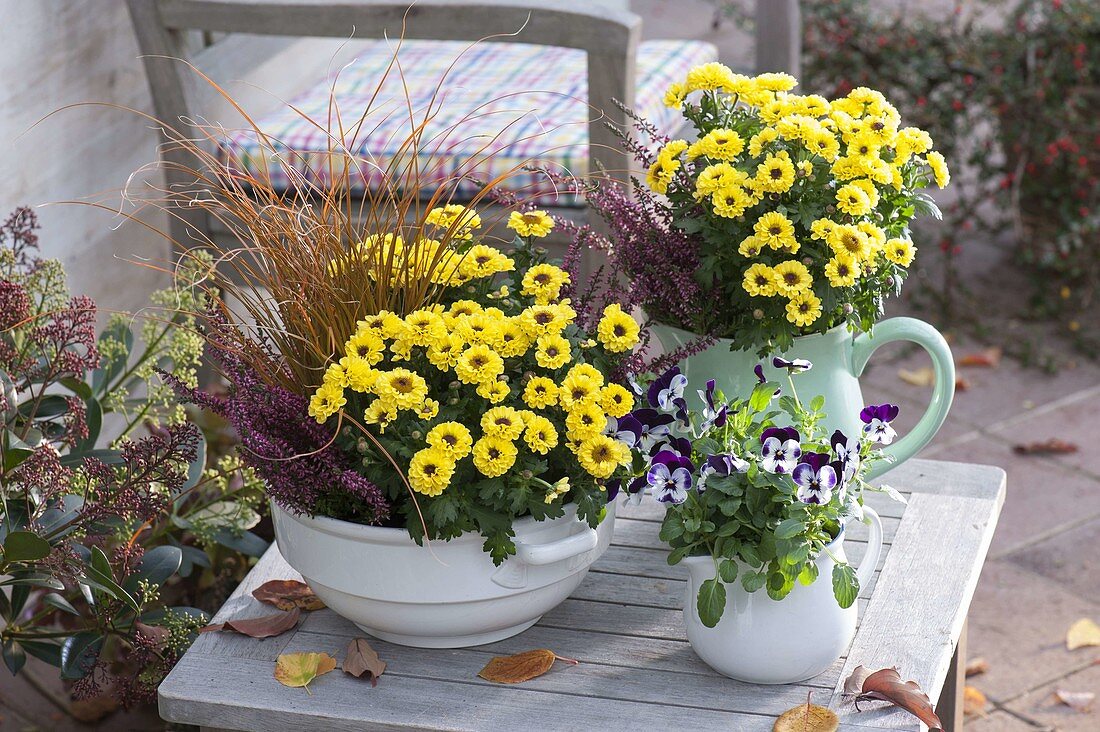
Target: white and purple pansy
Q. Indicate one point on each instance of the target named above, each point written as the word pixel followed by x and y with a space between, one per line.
pixel 668 387
pixel 846 451
pixel 720 466
pixel 794 366
pixel 759 371
pixel 669 477
pixel 711 415
pixel 683 416
pixel 876 422
pixel 627 430
pixel 815 477
pixel 655 428
pixel 780 450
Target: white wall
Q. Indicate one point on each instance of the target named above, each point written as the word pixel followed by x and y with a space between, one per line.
pixel 55 53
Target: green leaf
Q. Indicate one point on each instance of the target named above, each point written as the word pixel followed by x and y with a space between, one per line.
pixel 194 470
pixel 48 406
pixel 780 585
pixel 94 419
pixel 78 387
pixel 789 528
pixel 245 543
pixel 14 657
pixel 762 396
pixel 158 564
pixel 753 581
pixel 57 601
pixel 33 579
pixel 110 457
pixel 808 575
pixel 727 570
pixel 845 585
pixel 43 650
pixel 711 602
pixel 817 403
pixel 25 546
pixel 79 654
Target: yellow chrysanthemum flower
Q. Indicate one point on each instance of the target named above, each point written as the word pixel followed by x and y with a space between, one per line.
pixel 617 331
pixel 361 377
pixel 444 355
pixel 462 309
pixel 749 247
pixel 910 141
pixel 540 320
pixel 326 401
pixel 791 278
pixel 335 375
pixel 430 471
pixel 709 77
pixel 731 201
pixel 601 455
pixel 674 97
pixel 719 144
pixel 535 224
pixel 775 174
pixel 659 175
pixel 366 345
pixel 540 393
pixel 513 340
pixel 869 188
pixel 586 371
pixel 876 237
pixel 479 364
pixel 424 328
pixel 824 143
pixel 503 422
pixel 428 409
pixel 775 230
pixel 381 413
pixel 938 165
pixel 853 200
pixel 842 270
pixel 552 351
pixel 482 327
pixel 821 228
pixel 804 309
pixel 383 324
pixel 585 419
pixel 455 217
pixel 452 437
pixel 578 388
pixel 540 435
pixel 775 81
pixel 401 387
pixel 494 391
pixel 484 261
pixel 760 280
pixel 494 456
pixel 845 239
pixel 718 175
pixel 762 138
pixel 900 251
pixel 544 282
pixel 616 400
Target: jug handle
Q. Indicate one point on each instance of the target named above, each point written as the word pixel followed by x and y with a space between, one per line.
pixel 869 563
pixel 924 335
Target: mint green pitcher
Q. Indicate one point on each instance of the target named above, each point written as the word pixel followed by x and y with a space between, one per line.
pixel 839 359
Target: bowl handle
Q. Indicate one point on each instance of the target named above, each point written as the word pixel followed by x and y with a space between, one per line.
pixel 557 550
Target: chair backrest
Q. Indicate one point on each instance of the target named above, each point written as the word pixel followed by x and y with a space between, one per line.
pixel 264 34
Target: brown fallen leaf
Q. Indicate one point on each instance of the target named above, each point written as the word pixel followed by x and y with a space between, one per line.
pixel 961 384
pixel 263 627
pixel 287 594
pixel 976 667
pixel 362 659
pixel 886 685
pixel 299 669
pixel 807 718
pixel 1078 701
pixel 1083 633
pixel 1053 446
pixel 990 358
pixel 521 666
pixel 974 702
pixel 921 377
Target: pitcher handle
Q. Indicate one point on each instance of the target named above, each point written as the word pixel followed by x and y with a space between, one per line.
pixel 869 563
pixel 943 392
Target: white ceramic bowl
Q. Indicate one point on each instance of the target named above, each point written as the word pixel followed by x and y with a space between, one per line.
pixel 446 594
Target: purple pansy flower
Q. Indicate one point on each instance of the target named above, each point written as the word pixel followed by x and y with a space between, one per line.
pixel 711 416
pixel 683 417
pixel 656 427
pixel 635 489
pixel 780 451
pixel 815 478
pixel 669 477
pixel 634 385
pixel 627 430
pixel 759 371
pixel 795 366
pixel 667 387
pixel 721 466
pixel 876 422
pixel 846 452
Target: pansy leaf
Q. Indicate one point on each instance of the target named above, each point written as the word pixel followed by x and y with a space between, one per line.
pixel 789 528
pixel 845 585
pixel 727 570
pixel 711 602
pixel 753 581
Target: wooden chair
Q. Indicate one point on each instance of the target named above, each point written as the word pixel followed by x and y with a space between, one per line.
pixel 263 40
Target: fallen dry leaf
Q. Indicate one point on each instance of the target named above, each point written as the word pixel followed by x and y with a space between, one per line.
pixel 298 669
pixel 1085 632
pixel 1053 446
pixel 921 377
pixel 262 627
pixel 362 659
pixel 853 685
pixel 976 666
pixel 520 667
pixel 974 702
pixel 886 685
pixel 961 384
pixel 807 718
pixel 287 594
pixel 990 358
pixel 1078 701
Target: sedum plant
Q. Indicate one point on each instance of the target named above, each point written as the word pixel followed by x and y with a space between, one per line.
pixel 764 501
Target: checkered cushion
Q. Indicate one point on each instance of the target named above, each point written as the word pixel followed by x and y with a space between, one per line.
pixel 532 95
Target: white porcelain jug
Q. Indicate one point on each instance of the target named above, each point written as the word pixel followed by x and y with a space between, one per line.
pixel 766 641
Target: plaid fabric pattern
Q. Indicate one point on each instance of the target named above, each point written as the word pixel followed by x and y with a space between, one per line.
pixel 503 105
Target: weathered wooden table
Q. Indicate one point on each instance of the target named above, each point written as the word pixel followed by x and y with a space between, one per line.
pixel 624 624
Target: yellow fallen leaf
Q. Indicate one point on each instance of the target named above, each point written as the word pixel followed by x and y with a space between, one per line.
pixel 920 377
pixel 1085 632
pixel 807 718
pixel 974 702
pixel 520 667
pixel 298 669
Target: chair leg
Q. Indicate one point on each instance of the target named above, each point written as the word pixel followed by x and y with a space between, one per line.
pixel 950 706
